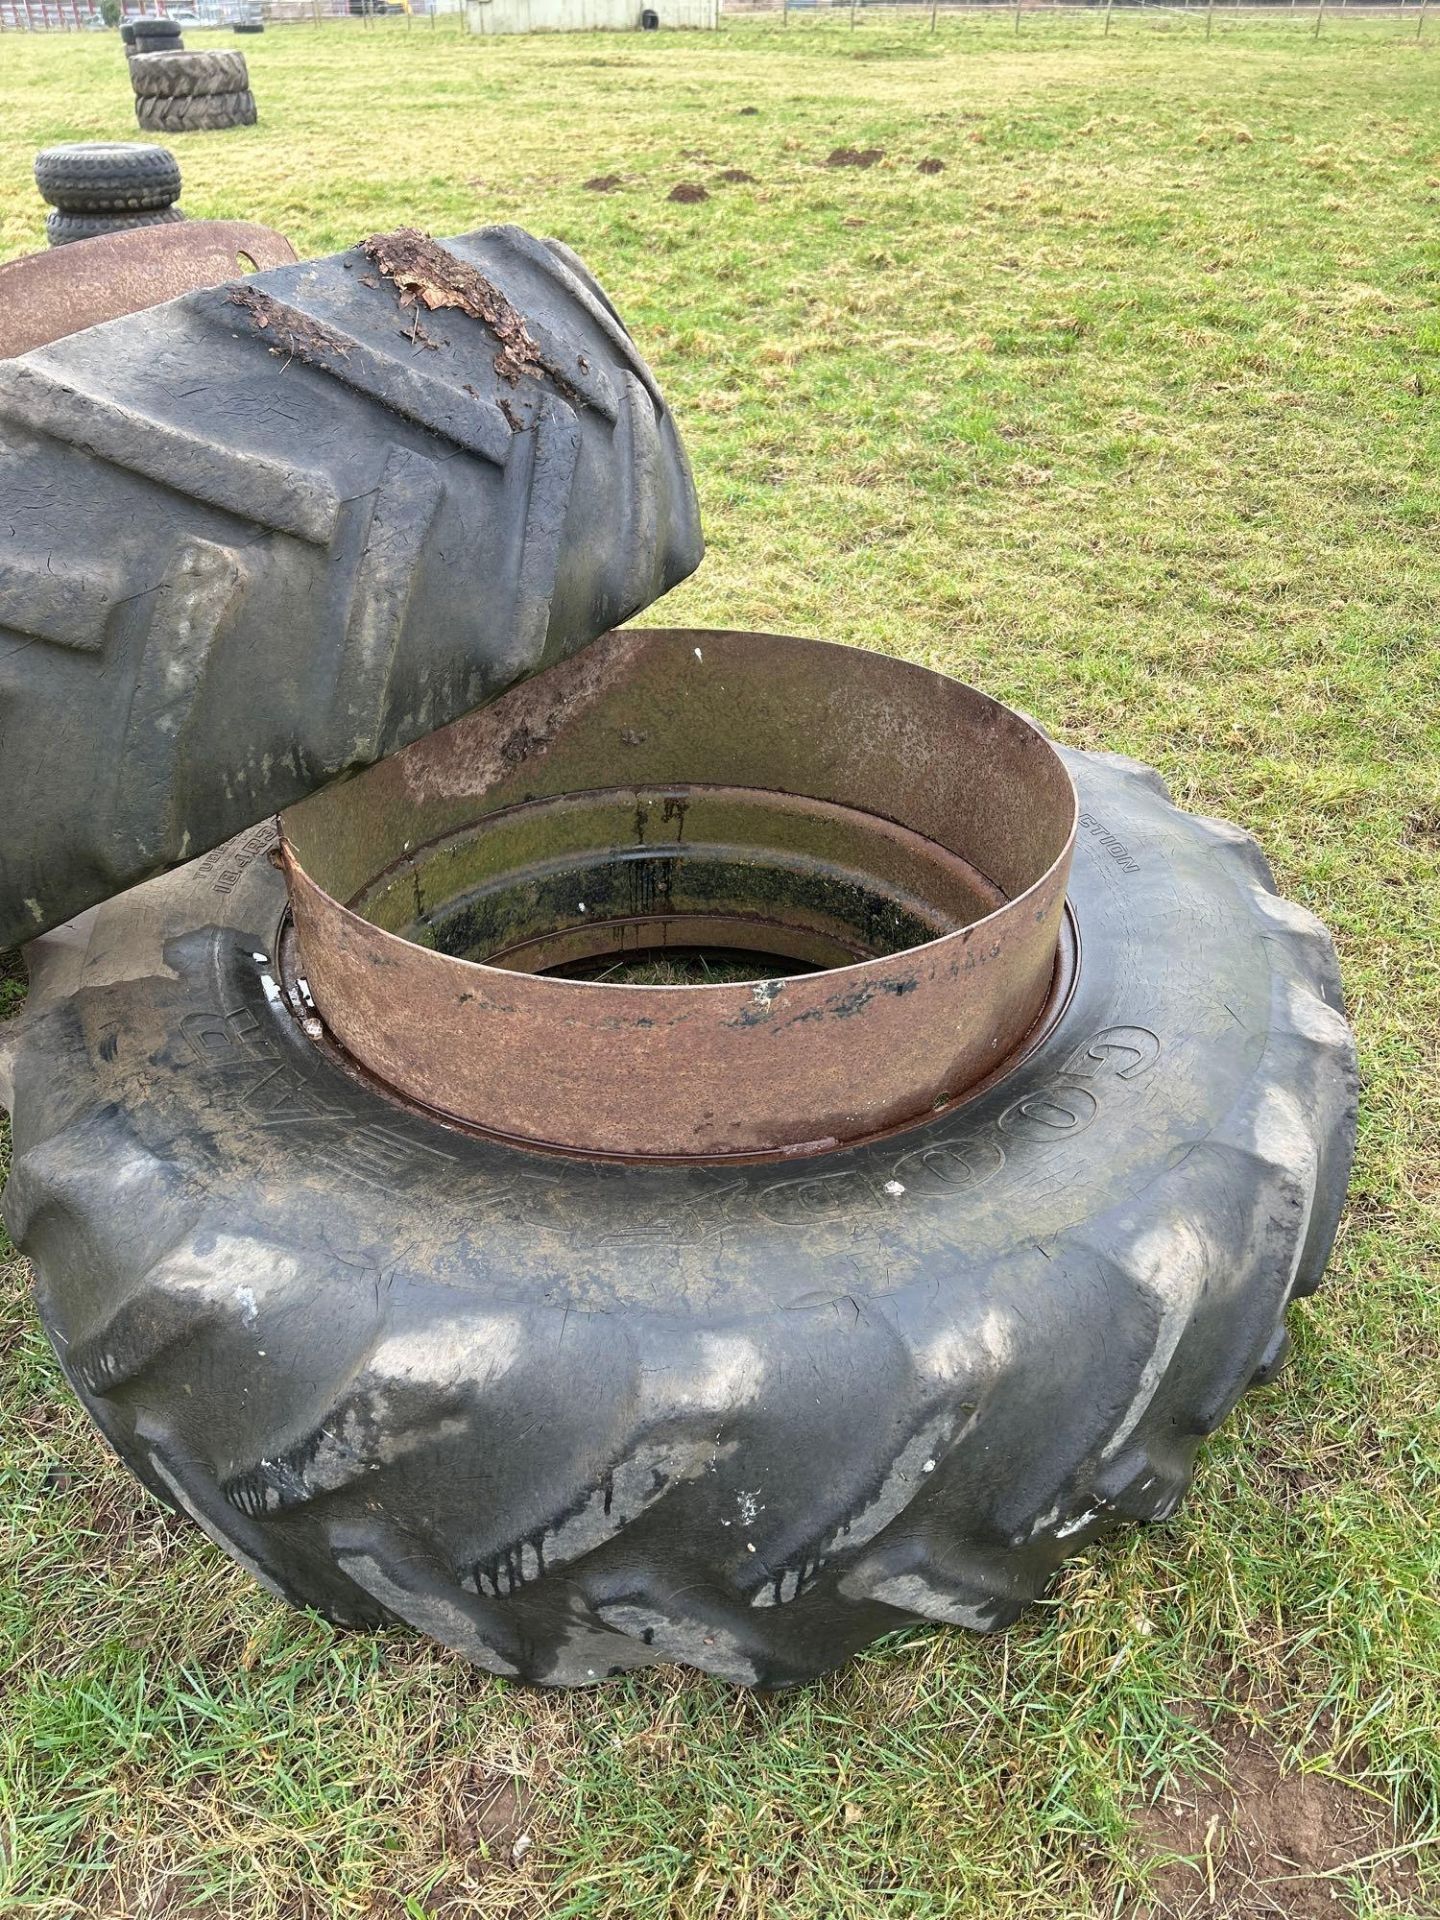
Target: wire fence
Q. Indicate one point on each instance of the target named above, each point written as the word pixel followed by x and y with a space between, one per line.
pixel 1313 16
pixel 87 16
pixel 50 16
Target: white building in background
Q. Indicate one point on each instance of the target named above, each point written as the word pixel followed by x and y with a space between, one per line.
pixel 580 16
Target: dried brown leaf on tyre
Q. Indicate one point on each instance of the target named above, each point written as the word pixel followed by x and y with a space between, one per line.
pixel 423 272
pixel 290 331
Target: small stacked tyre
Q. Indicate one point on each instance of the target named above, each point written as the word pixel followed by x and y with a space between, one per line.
pixel 99 187
pixel 150 35
pixel 192 92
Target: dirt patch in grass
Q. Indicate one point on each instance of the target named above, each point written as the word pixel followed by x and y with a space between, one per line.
pixel 687 193
pixel 477 1828
pixel 602 183
pixel 855 156
pixel 931 165
pixel 1256 1841
pixel 736 177
pixel 487 1811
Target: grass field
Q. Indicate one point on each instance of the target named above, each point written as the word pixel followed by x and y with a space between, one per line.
pixel 1131 413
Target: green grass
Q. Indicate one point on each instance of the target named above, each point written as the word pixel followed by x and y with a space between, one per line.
pixel 1131 414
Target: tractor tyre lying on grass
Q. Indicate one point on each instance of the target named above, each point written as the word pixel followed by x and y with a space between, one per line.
pixel 111 176
pixel 270 532
pixel 572 1418
pixel 62 228
pixel 165 76
pixel 196 113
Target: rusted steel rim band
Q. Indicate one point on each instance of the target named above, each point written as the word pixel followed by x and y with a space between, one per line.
pixel 901 832
pixel 46 295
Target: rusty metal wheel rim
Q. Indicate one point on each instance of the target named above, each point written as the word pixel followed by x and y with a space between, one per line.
pixel 887 817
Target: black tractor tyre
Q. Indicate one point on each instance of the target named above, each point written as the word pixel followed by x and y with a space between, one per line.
pixel 196 112
pixel 571 1418
pixel 249 26
pixel 170 41
pixel 150 32
pixel 62 228
pixel 184 76
pixel 270 532
pixel 108 176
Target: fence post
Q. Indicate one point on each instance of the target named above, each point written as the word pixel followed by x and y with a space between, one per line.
pixel 1107 18
pixel 1017 16
pixel 1319 16
pixel 1209 18
pixel 1420 24
pixel 934 9
pixel 852 15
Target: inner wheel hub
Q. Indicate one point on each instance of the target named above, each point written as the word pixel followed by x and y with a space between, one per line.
pixel 881 850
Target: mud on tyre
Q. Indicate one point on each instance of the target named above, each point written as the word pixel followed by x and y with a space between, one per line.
pixel 573 1418
pixel 383 535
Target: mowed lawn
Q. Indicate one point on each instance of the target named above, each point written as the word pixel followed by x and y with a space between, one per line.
pixel 1131 413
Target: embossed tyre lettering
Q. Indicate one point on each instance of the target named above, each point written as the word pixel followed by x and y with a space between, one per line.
pixel 267 533
pixel 573 1418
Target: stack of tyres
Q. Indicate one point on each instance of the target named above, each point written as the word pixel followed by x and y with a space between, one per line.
pixel 192 92
pixel 150 34
pixel 103 186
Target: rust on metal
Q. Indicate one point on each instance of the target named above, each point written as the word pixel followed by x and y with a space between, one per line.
pixel 44 296
pixel 890 846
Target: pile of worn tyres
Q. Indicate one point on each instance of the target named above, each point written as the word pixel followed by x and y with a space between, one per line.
pixel 98 187
pixel 182 92
pixel 570 1414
